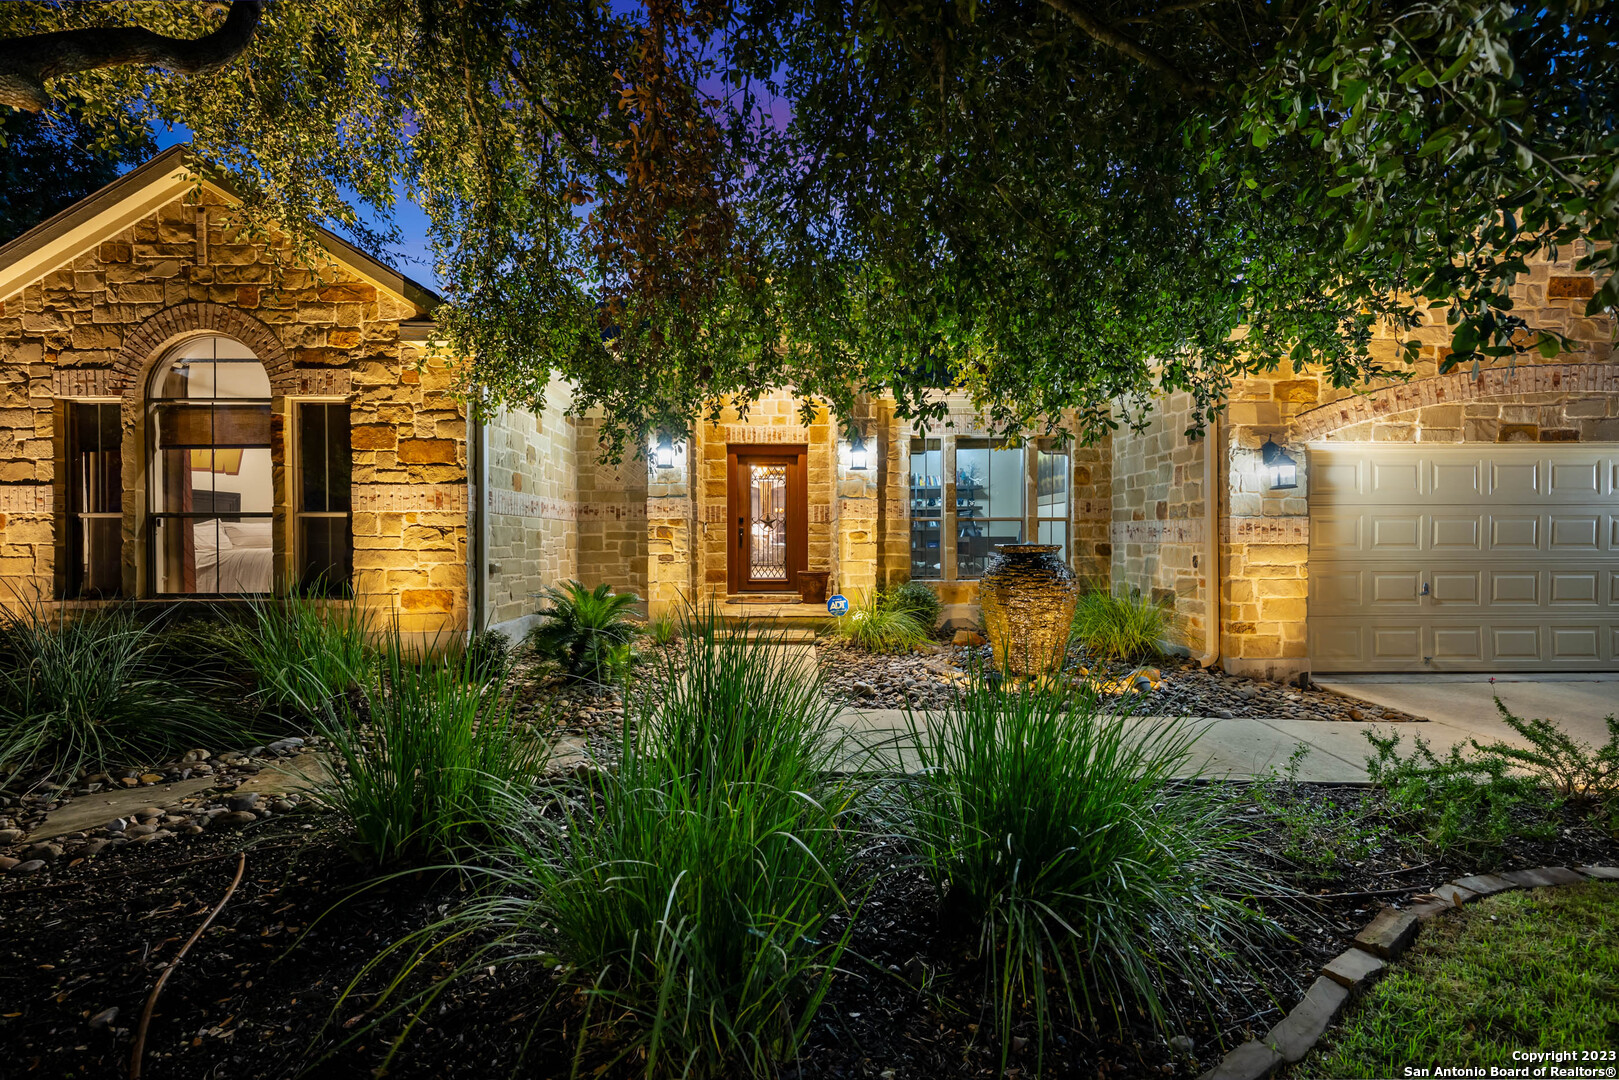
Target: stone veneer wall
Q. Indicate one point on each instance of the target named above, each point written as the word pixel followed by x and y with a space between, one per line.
pixel 773 420
pixel 612 512
pixel 1159 528
pixel 532 502
pixel 1573 397
pixel 1090 527
pixel 93 327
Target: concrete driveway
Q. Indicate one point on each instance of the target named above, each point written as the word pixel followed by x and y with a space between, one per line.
pixel 1464 705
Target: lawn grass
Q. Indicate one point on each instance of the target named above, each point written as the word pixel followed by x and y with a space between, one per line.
pixel 1535 970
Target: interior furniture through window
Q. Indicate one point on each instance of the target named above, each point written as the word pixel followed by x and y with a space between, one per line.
pixel 209 474
pixel 990 501
pixel 927 508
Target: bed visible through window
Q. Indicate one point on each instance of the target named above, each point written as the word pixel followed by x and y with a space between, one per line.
pixel 210 520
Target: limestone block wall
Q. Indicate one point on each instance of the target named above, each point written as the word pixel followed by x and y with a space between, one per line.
pixel 532 502
pixel 1573 397
pixel 773 420
pixel 612 512
pixel 93 327
pixel 1090 530
pixel 1159 527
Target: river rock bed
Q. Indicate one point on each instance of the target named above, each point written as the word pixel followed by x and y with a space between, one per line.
pixel 1171 687
pixel 218 808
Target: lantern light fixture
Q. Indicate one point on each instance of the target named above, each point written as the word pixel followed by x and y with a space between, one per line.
pixel 1283 470
pixel 663 454
pixel 859 452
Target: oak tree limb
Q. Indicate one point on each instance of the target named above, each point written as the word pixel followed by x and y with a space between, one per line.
pixel 28 63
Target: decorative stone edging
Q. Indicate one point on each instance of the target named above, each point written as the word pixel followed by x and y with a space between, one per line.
pixel 1388 935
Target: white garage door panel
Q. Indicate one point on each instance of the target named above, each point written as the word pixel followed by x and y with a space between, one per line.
pixel 1464 559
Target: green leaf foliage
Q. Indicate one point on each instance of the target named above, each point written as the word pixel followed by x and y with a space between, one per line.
pixel 1057 837
pixel 588 631
pixel 1050 207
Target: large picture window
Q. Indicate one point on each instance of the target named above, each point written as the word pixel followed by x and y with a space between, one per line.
pixel 1051 499
pixel 96 496
pixel 990 500
pixel 325 471
pixel 210 482
pixel 927 508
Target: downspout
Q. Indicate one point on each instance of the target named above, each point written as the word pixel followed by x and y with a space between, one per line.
pixel 478 484
pixel 1212 615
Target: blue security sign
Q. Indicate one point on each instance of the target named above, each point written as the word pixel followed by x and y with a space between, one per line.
pixel 837 605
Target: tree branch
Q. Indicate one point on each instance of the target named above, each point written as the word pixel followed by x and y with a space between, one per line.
pixel 1169 9
pixel 27 63
pixel 1104 34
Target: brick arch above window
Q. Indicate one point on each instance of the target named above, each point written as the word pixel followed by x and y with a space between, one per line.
pixel 152 337
pixel 1575 380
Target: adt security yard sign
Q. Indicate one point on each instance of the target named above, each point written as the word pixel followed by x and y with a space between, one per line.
pixel 837 605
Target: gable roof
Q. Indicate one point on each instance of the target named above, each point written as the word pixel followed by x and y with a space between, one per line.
pixel 156 182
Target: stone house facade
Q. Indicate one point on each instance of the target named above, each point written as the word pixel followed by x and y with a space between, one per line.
pixel 187 412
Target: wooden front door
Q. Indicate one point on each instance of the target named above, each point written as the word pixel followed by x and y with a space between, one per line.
pixel 769 518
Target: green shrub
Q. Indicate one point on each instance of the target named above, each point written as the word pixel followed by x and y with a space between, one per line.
pixel 688 894
pixel 663 629
pixel 303 652
pixel 917 600
pixel 1055 831
pixel 1118 626
pixel 1574 771
pixel 1455 803
pixel 587 631
pixel 97 690
pixel 489 655
pixel 1318 837
pixel 876 627
pixel 424 774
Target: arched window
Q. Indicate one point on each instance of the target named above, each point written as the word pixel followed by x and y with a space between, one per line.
pixel 211 493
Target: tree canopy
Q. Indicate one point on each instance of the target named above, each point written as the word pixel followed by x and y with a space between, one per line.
pixel 49 162
pixel 1053 205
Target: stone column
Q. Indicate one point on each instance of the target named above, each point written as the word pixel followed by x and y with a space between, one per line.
pixel 669 532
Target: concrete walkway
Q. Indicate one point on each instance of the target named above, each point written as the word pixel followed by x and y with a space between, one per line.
pixel 1234 749
pixel 1459 711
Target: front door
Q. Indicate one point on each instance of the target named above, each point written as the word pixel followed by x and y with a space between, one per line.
pixel 769 522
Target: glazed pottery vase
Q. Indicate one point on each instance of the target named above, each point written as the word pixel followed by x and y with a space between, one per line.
pixel 1026 602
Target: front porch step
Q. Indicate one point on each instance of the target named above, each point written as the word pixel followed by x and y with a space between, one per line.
pixel 770 613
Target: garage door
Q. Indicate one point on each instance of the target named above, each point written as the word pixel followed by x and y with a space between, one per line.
pixel 1499 558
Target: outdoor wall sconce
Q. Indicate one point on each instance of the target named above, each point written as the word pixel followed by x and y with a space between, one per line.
pixel 859 452
pixel 1284 471
pixel 665 453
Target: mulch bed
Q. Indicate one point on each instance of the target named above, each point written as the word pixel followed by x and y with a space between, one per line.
pixel 258 995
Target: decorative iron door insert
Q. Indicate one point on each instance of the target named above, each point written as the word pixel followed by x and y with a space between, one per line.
pixel 768 519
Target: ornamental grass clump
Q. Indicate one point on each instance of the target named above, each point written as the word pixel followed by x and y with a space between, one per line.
pixel 878 626
pixel 304 652
pixel 688 892
pixel 1056 834
pixel 97 690
pixel 426 768
pixel 1119 626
